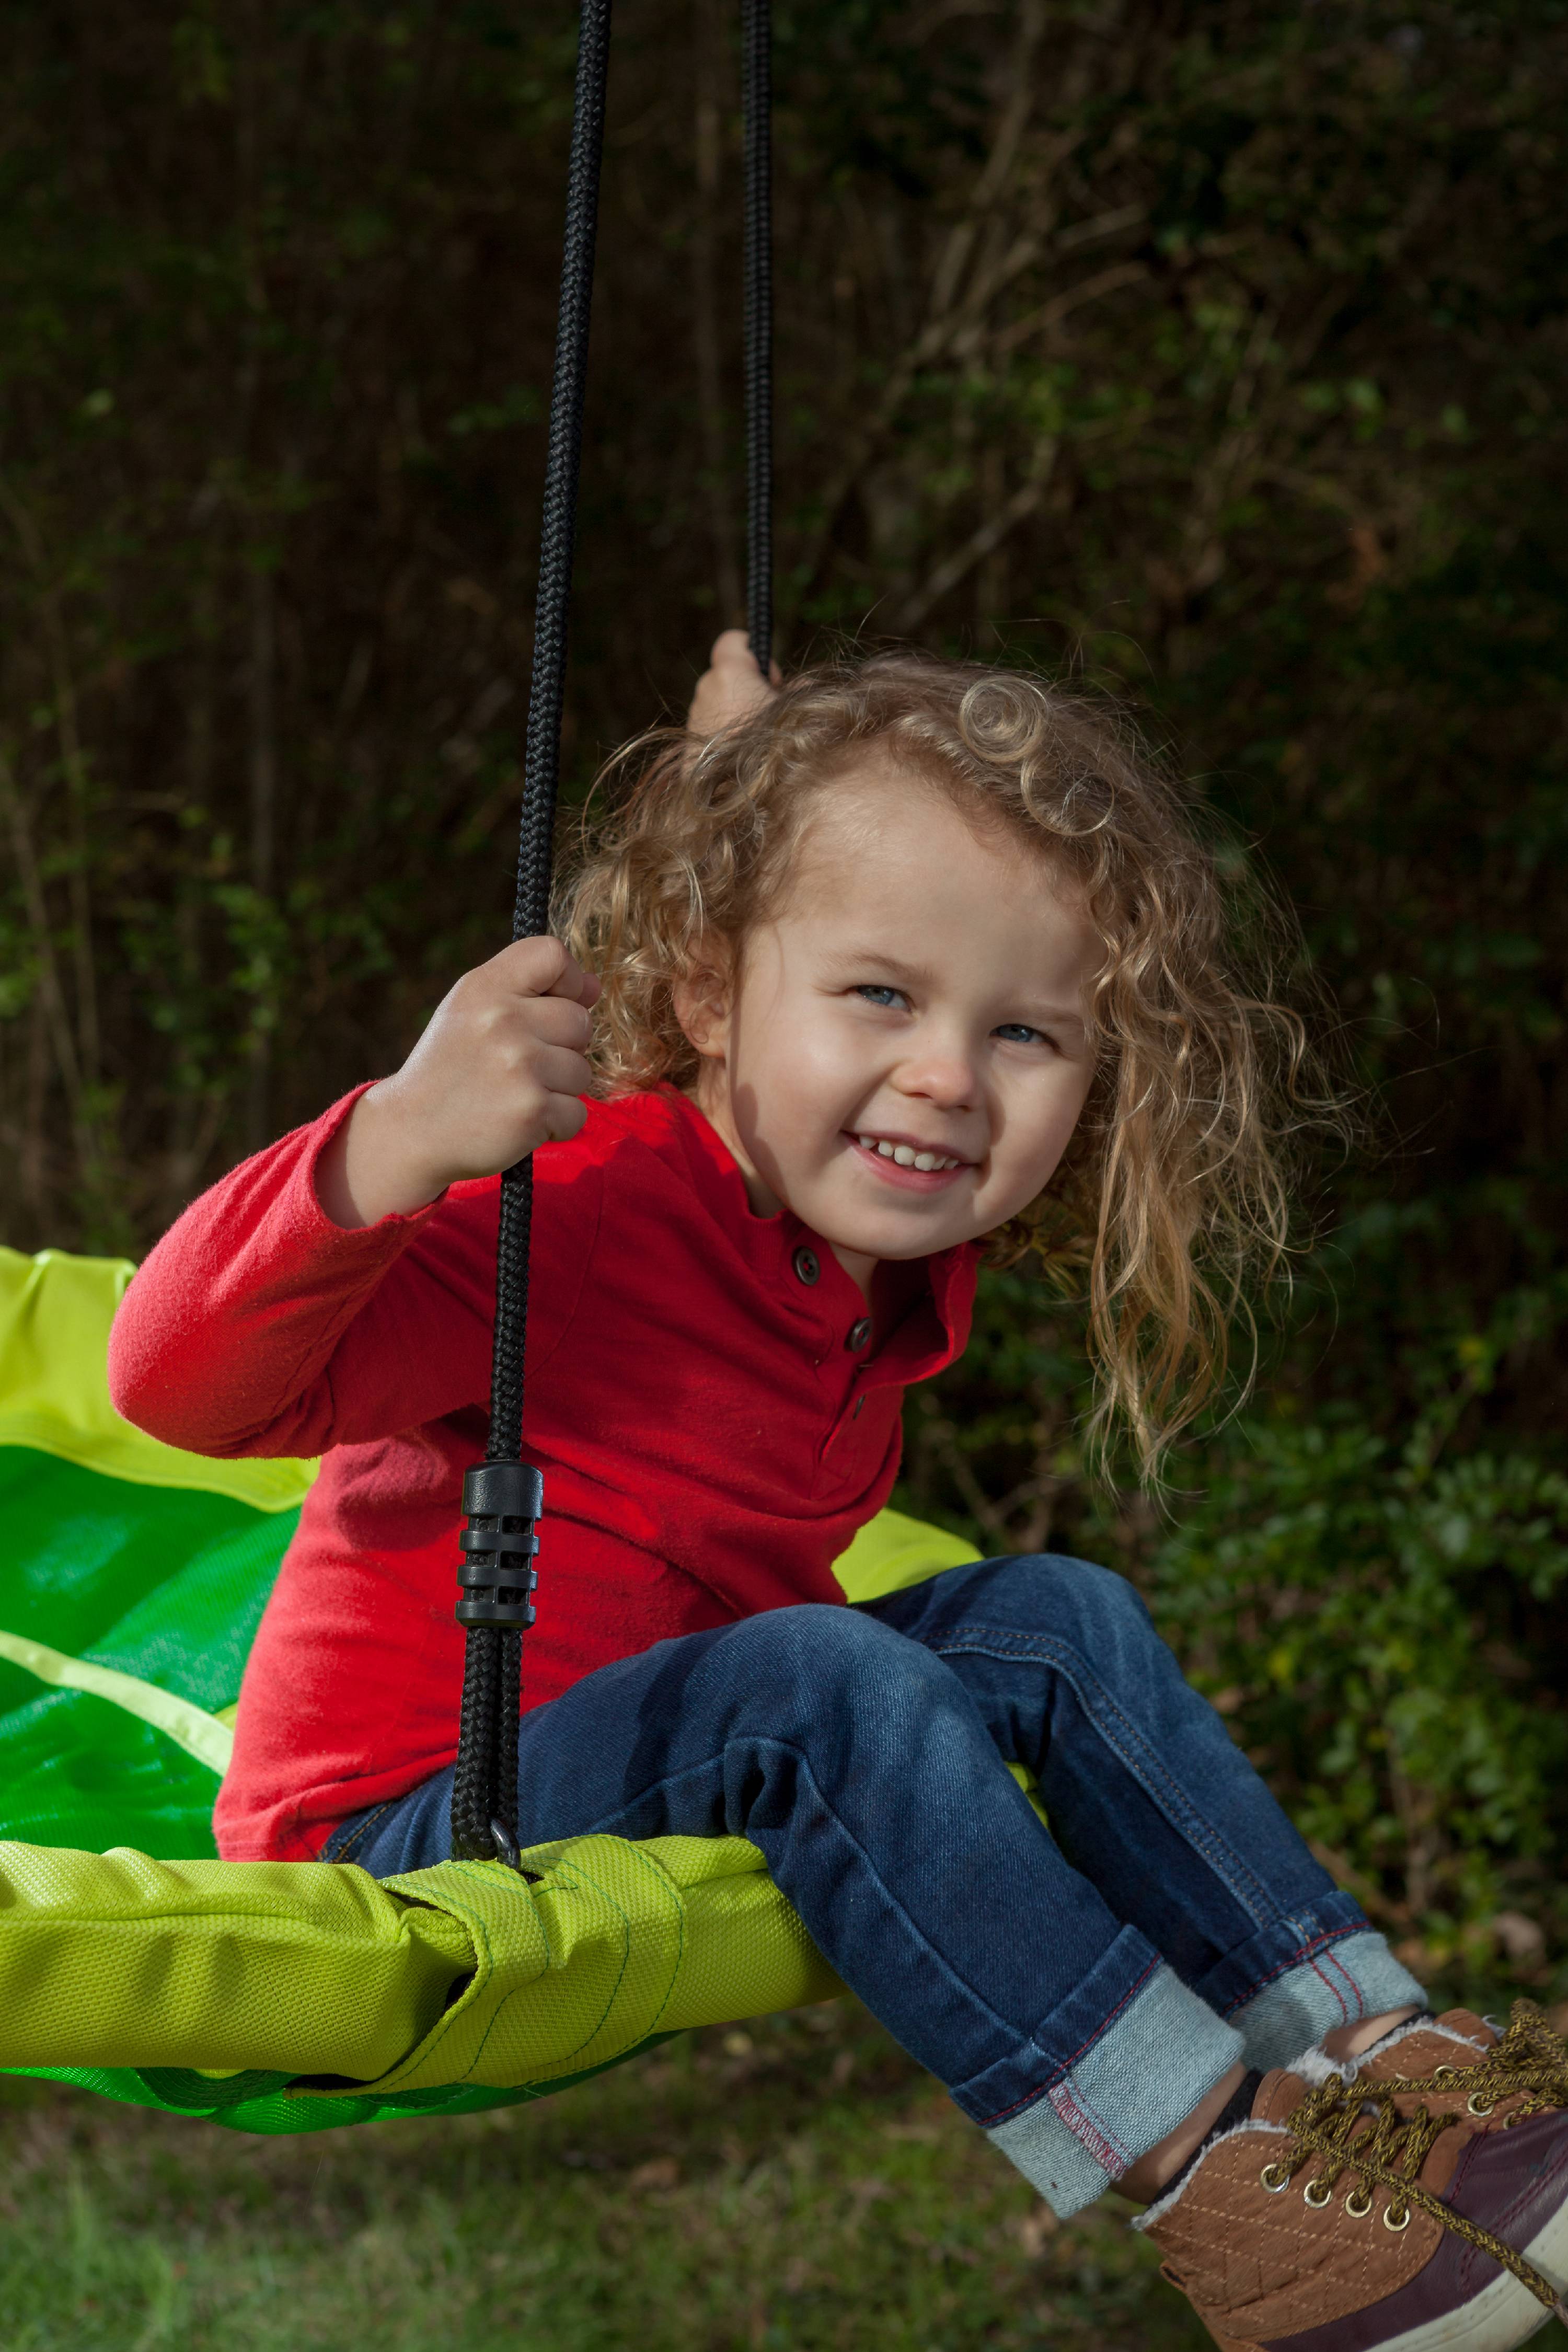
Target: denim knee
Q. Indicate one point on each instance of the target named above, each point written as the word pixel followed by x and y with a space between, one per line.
pixel 805 1669
pixel 1097 1611
pixel 817 1645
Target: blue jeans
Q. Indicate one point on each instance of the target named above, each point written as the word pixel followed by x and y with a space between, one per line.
pixel 1077 1992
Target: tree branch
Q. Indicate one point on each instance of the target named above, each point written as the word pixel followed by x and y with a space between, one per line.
pixel 980 542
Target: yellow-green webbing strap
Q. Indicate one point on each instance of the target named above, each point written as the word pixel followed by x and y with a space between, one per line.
pixel 462 1974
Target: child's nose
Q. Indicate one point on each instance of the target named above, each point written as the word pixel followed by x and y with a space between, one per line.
pixel 943 1076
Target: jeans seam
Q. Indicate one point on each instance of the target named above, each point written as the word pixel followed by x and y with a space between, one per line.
pixel 1050 1649
pixel 1332 1989
pixel 360 1830
pixel 1080 2108
pixel 1307 1956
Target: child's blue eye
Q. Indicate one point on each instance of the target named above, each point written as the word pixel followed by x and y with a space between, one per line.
pixel 1018 1033
pixel 874 992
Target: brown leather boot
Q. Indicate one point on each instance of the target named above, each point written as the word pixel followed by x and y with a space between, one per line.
pixel 1421 2205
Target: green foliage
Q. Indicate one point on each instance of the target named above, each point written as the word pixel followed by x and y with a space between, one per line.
pixel 1363 1613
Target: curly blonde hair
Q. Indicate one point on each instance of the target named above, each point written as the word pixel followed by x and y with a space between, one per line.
pixel 1174 1193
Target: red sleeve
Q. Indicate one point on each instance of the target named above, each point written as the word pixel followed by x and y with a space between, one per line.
pixel 257 1326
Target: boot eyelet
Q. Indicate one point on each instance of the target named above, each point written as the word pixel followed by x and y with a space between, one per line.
pixel 1317 2203
pixel 1358 2204
pixel 1274 2178
pixel 1478 2105
pixel 1402 2224
pixel 1445 2074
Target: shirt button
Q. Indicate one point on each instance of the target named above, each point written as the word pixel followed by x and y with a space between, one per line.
pixel 805 1265
pixel 859 1333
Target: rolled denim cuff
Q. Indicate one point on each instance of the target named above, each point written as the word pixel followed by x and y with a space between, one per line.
pixel 1134 2083
pixel 1353 1977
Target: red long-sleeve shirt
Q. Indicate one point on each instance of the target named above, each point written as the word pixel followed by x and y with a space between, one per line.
pixel 711 1425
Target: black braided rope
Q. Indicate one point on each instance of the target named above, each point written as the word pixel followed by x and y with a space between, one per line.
pixel 756 41
pixel 508 1714
pixel 484 1788
pixel 473 1784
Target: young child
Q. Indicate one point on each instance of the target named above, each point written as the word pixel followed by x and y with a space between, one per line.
pixel 898 964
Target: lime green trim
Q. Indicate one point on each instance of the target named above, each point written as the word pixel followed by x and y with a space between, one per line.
pixel 55 1314
pixel 893 1551
pixel 191 1728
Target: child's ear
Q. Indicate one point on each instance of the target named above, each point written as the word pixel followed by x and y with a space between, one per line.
pixel 700 998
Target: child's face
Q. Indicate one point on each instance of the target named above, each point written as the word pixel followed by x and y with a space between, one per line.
pixel 920 989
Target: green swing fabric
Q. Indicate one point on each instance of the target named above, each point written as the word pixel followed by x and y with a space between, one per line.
pixel 272 1996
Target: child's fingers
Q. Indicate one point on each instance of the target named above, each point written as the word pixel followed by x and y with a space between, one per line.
pixel 564 1118
pixel 556 1070
pixel 543 967
pixel 581 987
pixel 557 1021
pixel 731 688
pixel 732 657
pixel 732 650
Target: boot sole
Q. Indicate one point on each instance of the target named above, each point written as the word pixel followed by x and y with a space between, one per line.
pixel 1505 2312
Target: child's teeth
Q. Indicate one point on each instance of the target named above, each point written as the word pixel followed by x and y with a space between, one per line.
pixel 905 1154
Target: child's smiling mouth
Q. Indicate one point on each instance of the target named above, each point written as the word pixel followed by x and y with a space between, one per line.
pixel 912 1167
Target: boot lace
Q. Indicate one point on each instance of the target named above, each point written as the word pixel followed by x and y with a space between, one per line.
pixel 1356 2127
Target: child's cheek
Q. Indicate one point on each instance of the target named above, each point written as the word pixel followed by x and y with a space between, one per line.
pixel 817 1082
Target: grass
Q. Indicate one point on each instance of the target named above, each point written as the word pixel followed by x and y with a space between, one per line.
pixel 797 2184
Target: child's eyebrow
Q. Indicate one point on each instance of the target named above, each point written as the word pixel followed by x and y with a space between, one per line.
pixel 890 967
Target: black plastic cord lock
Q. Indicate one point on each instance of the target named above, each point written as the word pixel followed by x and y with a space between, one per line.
pixel 502 1502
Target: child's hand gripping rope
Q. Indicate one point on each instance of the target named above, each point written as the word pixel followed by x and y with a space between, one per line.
pixel 500 1068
